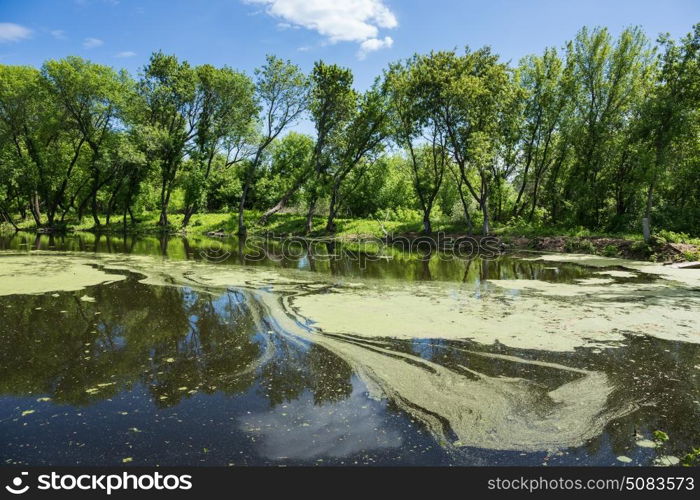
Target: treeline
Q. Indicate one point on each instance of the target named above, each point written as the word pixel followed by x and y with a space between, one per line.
pixel 600 134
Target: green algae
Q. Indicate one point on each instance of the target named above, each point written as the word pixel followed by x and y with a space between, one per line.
pixel 34 274
pixel 457 404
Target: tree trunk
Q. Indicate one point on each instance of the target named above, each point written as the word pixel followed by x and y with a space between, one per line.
pixel 427 226
pixel 310 216
pixel 484 202
pixel 330 225
pixel 164 202
pixel 485 212
pixel 534 200
pixel 5 215
pixel 189 211
pixel 646 221
pixel 465 209
pixel 163 220
pixel 242 230
pixel 93 207
pixel 35 209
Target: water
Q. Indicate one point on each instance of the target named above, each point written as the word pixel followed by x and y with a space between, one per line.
pixel 195 355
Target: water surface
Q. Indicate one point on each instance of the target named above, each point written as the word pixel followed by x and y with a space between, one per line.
pixel 175 352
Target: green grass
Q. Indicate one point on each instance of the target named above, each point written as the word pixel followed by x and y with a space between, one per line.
pixel 293 224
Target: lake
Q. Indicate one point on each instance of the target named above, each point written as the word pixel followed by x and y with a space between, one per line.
pixel 202 351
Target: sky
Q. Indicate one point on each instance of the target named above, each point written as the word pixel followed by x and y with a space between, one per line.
pixel 365 35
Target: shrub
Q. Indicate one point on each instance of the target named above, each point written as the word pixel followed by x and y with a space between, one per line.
pixel 610 251
pixel 691 256
pixel 641 248
pixel 577 245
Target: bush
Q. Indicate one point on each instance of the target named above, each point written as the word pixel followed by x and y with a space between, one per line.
pixel 691 256
pixel 578 245
pixel 641 248
pixel 610 251
pixel 671 237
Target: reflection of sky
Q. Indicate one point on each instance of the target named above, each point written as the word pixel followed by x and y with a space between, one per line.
pixel 304 263
pixel 301 430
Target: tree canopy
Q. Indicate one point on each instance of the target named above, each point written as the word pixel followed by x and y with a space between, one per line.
pixel 601 134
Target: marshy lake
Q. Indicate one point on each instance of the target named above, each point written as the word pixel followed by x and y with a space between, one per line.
pixel 178 351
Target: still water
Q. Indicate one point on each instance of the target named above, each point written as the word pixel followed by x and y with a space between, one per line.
pixel 180 351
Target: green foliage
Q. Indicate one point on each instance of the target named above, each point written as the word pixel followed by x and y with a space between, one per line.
pixel 586 140
pixel 579 245
pixel 610 251
pixel 692 458
pixel 672 237
pixel 691 256
pixel 660 437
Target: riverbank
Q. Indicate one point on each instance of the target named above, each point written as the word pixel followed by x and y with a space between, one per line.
pixel 664 247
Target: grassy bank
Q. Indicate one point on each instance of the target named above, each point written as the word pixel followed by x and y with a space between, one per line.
pixel 665 245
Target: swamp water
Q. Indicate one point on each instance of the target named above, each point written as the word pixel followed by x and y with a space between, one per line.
pixel 195 351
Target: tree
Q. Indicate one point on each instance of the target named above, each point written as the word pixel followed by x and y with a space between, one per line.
pixel 167 119
pixel 90 96
pixel 225 111
pixel 671 115
pixel 608 85
pixel 331 104
pixel 281 91
pixel 467 95
pixel 545 81
pixel 356 148
pixel 45 146
pixel 289 167
pixel 416 130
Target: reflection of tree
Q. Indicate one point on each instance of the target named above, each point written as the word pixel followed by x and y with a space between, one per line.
pixel 295 369
pixel 330 376
pixel 173 340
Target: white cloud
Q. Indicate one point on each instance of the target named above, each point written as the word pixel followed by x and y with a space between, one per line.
pixel 91 43
pixel 338 21
pixel 11 32
pixel 372 44
pixel 58 34
pixel 126 53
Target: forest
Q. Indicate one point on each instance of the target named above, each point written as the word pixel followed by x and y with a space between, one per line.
pixel 599 134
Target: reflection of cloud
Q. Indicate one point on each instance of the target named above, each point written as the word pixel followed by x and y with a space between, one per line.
pixel 302 430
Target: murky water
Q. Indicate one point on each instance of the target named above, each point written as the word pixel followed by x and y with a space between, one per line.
pixel 176 352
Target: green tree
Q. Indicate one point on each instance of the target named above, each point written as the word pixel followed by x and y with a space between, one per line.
pixel 356 149
pixel 90 97
pixel 167 120
pixel 281 91
pixel 331 104
pixel 225 113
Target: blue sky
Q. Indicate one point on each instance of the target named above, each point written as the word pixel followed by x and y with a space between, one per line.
pixel 362 34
